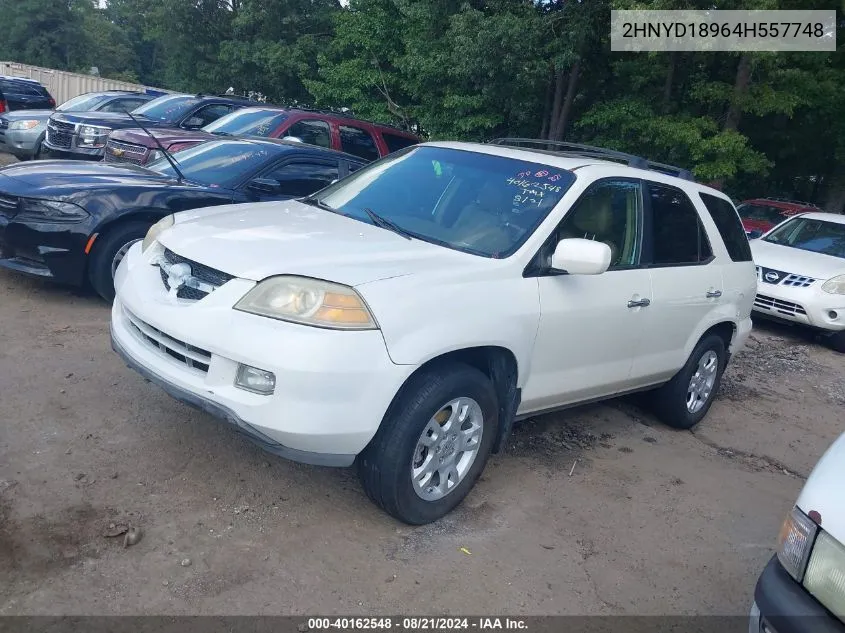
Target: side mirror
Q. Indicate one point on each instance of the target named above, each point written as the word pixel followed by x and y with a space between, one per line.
pixel 753 235
pixel 264 185
pixel 193 123
pixel 578 256
pixel 293 139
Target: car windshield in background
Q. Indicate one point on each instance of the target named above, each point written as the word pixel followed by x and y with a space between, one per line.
pixel 772 215
pixel 167 108
pixel 818 236
pixel 82 103
pixel 477 203
pixel 247 123
pixel 216 163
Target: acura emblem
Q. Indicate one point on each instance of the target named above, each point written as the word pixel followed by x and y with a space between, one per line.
pixel 177 276
pixel 772 276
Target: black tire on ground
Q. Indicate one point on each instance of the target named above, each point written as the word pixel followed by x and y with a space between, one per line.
pixel 106 247
pixel 837 342
pixel 384 467
pixel 39 148
pixel 669 402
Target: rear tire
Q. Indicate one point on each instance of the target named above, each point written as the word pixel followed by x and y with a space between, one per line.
pixel 109 249
pixel 444 420
pixel 837 342
pixel 684 401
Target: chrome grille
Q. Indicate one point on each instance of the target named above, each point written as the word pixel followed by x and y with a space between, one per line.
pixel 119 152
pixel 191 356
pixel 778 305
pixel 59 133
pixel 779 277
pixel 208 279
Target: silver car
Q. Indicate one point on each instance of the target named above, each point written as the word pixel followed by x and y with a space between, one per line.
pixel 22 131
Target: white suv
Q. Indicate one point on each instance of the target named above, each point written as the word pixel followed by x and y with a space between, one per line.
pixel 404 317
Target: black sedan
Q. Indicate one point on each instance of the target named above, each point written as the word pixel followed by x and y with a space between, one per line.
pixel 74 221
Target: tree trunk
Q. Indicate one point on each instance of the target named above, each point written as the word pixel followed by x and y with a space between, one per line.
pixel 547 104
pixel 558 101
pixel 834 198
pixel 743 79
pixel 670 79
pixel 566 110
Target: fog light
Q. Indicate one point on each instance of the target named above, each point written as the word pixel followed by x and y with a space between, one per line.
pixel 255 380
pixel 832 314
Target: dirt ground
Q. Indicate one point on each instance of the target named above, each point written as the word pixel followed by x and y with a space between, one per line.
pixel 651 520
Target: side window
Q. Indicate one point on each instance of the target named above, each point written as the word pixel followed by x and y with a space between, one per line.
pixel 211 113
pixel 609 212
pixel 395 142
pixel 677 236
pixel 730 228
pixel 302 178
pixel 358 142
pixel 311 131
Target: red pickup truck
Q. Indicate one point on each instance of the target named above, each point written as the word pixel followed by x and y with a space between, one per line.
pixel 326 129
pixel 758 215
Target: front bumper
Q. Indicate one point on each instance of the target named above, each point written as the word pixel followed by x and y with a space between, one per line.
pixel 21 143
pixel 809 306
pixel 332 387
pixel 54 251
pixel 781 605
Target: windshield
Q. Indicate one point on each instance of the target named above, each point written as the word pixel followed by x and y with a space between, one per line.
pixel 247 122
pixel 818 236
pixel 217 163
pixel 82 103
pixel 472 202
pixel 169 108
pixel 772 215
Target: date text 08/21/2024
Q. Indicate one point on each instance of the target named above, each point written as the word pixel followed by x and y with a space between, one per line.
pixel 417 623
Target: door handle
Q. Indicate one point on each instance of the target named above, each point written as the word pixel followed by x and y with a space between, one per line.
pixel 712 294
pixel 641 303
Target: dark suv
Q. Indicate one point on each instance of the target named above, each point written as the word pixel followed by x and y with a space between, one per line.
pixel 84 134
pixel 314 127
pixel 17 93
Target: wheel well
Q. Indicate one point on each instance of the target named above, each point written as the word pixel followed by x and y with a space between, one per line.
pixel 141 216
pixel 725 330
pixel 500 366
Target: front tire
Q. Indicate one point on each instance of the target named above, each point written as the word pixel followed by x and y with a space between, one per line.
pixel 684 401
pixel 837 342
pixel 432 445
pixel 109 250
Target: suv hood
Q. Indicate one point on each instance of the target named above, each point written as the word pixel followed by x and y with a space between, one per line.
pixel 824 491
pixel 17 115
pixel 256 241
pixel 166 136
pixel 795 260
pixel 113 120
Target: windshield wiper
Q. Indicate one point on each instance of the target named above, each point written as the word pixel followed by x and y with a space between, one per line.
pixel 384 223
pixel 173 163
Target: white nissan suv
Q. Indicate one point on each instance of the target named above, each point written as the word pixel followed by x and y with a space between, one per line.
pixel 402 318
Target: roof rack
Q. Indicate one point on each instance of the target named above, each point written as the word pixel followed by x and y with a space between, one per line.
pixel 590 151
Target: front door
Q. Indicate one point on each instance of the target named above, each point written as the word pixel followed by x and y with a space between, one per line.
pixel 590 325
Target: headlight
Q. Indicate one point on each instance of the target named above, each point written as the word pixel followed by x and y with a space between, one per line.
pixel 835 285
pixel 93 135
pixel 308 301
pixel 50 211
pixel 795 542
pixel 825 577
pixel 155 230
pixel 26 124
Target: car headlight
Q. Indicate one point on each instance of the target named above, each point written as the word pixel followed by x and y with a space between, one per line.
pixel 155 230
pixel 93 135
pixel 835 285
pixel 795 543
pixel 26 124
pixel 310 302
pixel 825 576
pixel 50 211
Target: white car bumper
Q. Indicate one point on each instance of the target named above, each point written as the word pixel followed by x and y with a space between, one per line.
pixel 810 306
pixel 332 387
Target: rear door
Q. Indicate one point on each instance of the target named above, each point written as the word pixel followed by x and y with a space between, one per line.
pixel 25 95
pixel 686 281
pixel 311 131
pixel 358 142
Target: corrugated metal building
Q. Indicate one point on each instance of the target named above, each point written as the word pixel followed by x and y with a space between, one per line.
pixel 63 85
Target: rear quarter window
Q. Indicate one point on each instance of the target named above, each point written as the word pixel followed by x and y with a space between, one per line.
pixel 730 228
pixel 395 142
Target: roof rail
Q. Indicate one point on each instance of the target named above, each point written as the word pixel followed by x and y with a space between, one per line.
pixel 590 151
pixel 801 202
